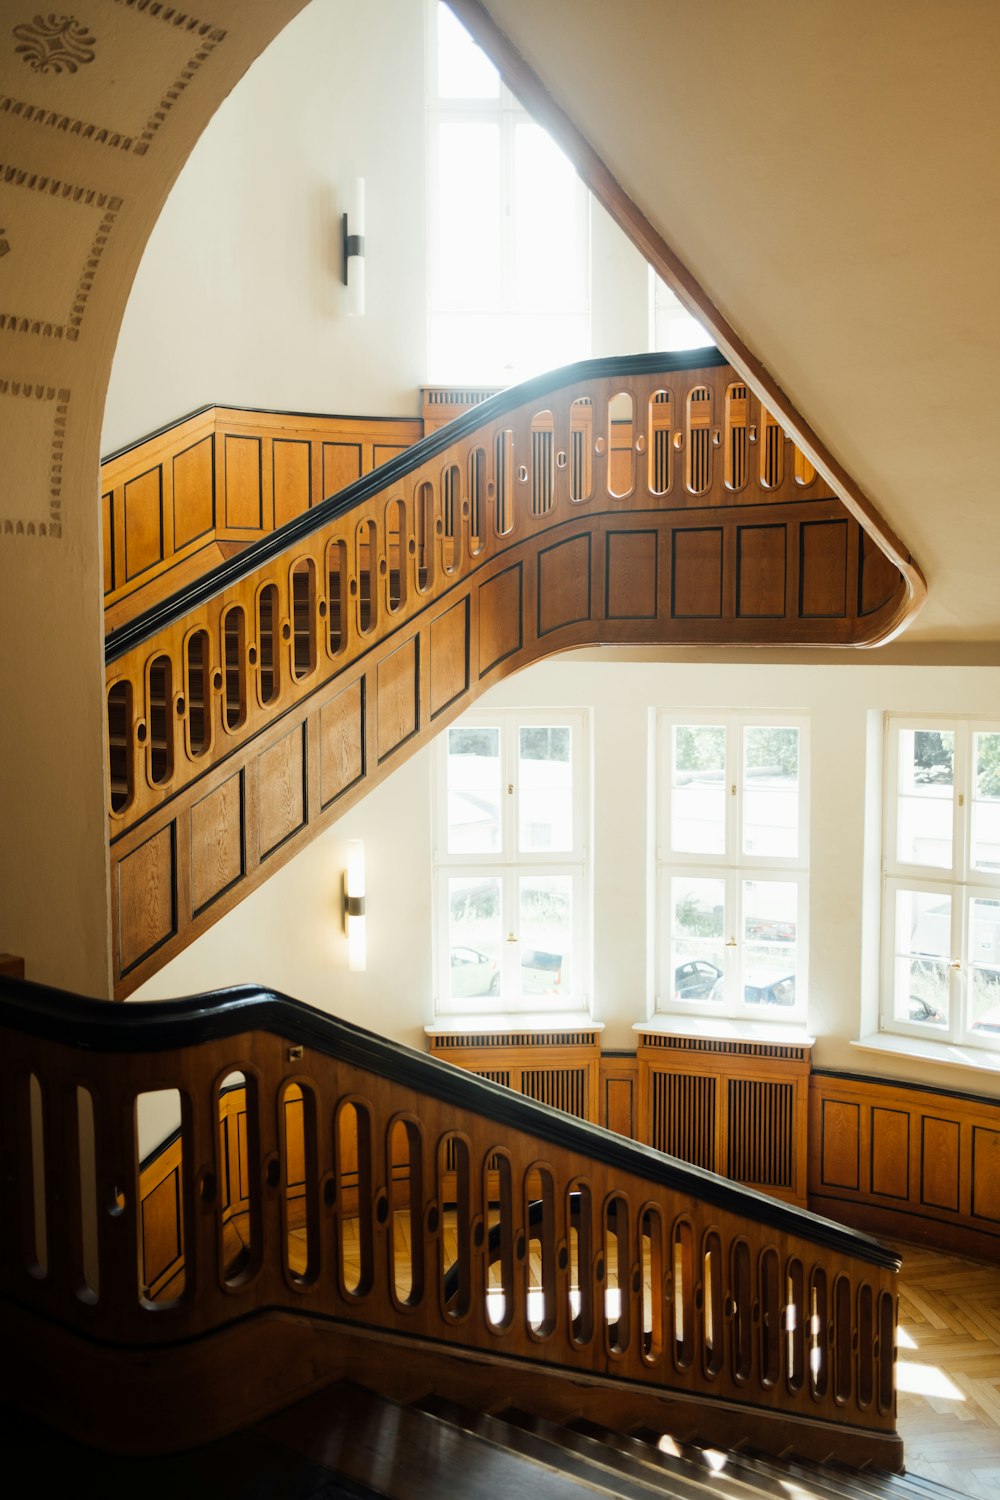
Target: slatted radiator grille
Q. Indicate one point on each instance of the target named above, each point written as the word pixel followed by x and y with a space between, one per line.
pixel 494 1075
pixel 777 1052
pixel 559 1088
pixel 461 1041
pixel 761 1132
pixel 683 1117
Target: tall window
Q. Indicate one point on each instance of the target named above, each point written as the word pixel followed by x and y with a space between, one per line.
pixel 941 912
pixel 509 226
pixel 732 861
pixel 671 326
pixel 511 839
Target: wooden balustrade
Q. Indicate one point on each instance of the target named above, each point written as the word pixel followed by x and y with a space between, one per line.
pixel 328 1186
pixel 622 501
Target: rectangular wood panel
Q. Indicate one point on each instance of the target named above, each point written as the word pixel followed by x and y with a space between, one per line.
pixel 619 1106
pixel 449 656
pixel 281 790
pixel 244 497
pixel 290 461
pixel 823 569
pixel 143 518
pixel 840 1146
pixel 341 465
pixel 563 584
pixel 986 1174
pixel 696 586
pixel 217 842
pixel 631 575
pixel 397 698
pixel 342 742
pixel 147 905
pixel 760 572
pixel 939 1163
pixel 194 492
pixel 500 623
pixel 890 1153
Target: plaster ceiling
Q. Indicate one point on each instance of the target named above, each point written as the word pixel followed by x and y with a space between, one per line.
pixel 828 172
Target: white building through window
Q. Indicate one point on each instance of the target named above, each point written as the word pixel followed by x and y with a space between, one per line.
pixel 511 818
pixel 509 226
pixel 941 862
pixel 732 865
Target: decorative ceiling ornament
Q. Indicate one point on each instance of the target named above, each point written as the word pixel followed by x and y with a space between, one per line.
pixel 54 44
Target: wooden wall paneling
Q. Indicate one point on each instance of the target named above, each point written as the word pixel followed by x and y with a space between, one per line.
pixel 761 566
pixel 619 1100
pixel 876 575
pixel 449 656
pixel 146 895
pixel 193 479
pixel 898 1159
pixel 341 756
pixel 631 576
pixel 281 790
pixel 823 565
pixel 12 965
pixel 985 1174
pixel 397 700
pixel 501 618
pixel 218 842
pixel 142 520
pixel 563 584
pixel 341 466
pixel 696 573
pixel 243 486
pixel 560 1067
pixel 291 478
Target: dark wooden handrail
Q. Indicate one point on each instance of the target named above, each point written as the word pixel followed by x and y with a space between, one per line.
pixel 782 1321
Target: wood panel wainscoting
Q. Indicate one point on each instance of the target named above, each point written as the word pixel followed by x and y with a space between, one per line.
pixel 178 503
pixel 907 1161
pixel 250 711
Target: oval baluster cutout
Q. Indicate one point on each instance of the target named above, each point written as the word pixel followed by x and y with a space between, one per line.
pixel 621 437
pixel 660 420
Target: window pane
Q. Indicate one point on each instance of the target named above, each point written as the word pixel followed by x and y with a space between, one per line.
pixel 986 803
pixel 464 70
pixel 546 918
pixel 771 791
pixel 549 253
pixel 770 926
pixel 467 270
pixel 474 936
pixel 922 957
pixel 697 937
pixel 698 790
pixel 984 966
pixel 926 795
pixel 474 790
pixel 545 789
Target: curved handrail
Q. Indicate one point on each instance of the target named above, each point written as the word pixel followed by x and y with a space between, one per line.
pixel 168 611
pixel 166 1025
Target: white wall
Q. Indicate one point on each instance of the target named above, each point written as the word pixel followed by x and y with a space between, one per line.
pixel 287 933
pixel 238 299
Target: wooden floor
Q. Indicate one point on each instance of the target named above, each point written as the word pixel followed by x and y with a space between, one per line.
pixel 948 1371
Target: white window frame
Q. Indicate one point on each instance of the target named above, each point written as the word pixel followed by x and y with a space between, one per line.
pixel 510 865
pixel 732 867
pixel 508 114
pixel 959 882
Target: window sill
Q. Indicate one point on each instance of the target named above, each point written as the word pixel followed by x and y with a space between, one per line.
pixel 975 1059
pixel 513 1020
pixel 719 1028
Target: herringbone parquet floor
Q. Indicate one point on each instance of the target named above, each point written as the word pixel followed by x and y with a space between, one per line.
pixel 948 1371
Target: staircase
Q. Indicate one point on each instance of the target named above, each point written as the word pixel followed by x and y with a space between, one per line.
pixel 642 501
pixel 348 1441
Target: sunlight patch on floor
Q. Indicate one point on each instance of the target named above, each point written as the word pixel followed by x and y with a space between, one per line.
pixel 925 1380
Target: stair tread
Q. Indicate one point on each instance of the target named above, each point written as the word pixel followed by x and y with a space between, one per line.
pixel 404 1453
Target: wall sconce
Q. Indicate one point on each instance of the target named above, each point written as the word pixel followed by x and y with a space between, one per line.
pixel 354 906
pixel 354 249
